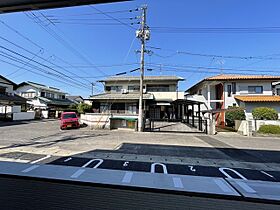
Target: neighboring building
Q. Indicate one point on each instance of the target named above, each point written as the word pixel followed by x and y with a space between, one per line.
pixel 75 99
pixel 121 97
pixel 9 102
pixel 248 91
pixel 43 97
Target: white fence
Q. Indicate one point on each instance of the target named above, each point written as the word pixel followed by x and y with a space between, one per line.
pixel 24 116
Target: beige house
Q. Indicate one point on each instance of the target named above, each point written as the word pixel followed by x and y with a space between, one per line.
pixel 121 97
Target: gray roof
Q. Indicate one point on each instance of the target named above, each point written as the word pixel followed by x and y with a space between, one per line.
pixel 40 86
pixel 120 96
pixel 146 78
pixel 57 102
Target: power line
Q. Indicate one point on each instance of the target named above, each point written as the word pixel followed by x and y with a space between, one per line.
pixel 216 30
pixel 98 13
pixel 65 43
pixel 190 68
pixel 113 18
pixel 177 52
pixel 18 54
pixel 36 73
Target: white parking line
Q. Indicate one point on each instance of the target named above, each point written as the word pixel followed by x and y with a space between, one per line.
pixel 234 171
pixel 153 167
pixel 222 185
pixel 127 177
pixel 245 187
pixel 89 162
pixel 267 174
pixel 68 159
pixel 177 182
pixel 30 168
pixel 41 159
pixel 78 173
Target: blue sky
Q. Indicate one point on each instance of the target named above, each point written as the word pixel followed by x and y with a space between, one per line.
pixel 112 47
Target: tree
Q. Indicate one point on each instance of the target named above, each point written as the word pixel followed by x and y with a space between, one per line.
pixel 83 108
pixel 234 113
pixel 265 113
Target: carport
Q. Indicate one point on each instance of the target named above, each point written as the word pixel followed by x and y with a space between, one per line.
pixel 187 118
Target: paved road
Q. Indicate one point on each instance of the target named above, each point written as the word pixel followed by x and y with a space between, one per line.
pixel 30 140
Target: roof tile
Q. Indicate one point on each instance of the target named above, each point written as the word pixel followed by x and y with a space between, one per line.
pixel 259 98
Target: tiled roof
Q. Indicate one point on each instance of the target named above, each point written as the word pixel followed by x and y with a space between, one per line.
pixel 259 98
pixel 242 77
pixel 146 78
pixel 119 96
pixel 12 98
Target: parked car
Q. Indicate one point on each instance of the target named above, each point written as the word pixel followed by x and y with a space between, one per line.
pixel 69 120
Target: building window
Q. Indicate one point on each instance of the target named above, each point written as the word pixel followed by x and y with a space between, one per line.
pixel 133 88
pixel 116 88
pixel 108 88
pixel 157 88
pixel 2 90
pixel 200 92
pixel 43 94
pixel 255 89
pixel 229 90
pixel 28 94
pixel 234 88
pixel 278 91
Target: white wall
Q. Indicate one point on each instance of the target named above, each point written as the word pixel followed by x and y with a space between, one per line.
pixel 242 89
pixel 24 116
pixel 27 88
pixel 96 120
pixel 168 95
pixel 250 106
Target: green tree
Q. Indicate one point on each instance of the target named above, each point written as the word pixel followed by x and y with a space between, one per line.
pixel 83 108
pixel 234 113
pixel 265 113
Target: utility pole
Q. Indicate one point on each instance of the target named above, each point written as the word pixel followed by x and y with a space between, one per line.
pixel 143 34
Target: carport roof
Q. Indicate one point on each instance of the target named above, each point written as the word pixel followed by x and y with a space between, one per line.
pixel 7 6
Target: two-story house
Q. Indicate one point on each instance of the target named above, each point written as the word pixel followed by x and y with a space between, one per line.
pixel 121 96
pixel 43 97
pixel 9 102
pixel 247 91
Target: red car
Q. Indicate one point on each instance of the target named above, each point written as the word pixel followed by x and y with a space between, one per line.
pixel 69 120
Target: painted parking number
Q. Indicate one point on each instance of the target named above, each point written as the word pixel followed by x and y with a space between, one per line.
pixel 192 169
pixel 125 164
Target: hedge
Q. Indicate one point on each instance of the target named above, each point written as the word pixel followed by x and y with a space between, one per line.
pixel 265 113
pixel 269 129
pixel 231 115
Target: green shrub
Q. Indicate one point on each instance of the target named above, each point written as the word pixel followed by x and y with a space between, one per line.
pixel 271 129
pixel 265 113
pixel 83 108
pixel 234 113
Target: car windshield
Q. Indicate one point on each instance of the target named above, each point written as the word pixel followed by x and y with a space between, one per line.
pixel 69 116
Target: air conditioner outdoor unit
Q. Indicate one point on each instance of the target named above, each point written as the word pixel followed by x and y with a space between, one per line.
pixel 124 91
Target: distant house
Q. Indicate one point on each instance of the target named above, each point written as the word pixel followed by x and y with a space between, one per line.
pixel 122 95
pixel 75 99
pixel 9 102
pixel 247 91
pixel 42 97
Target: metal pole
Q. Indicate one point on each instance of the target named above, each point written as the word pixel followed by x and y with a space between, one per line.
pixel 142 65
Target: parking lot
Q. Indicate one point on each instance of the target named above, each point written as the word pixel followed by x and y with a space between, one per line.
pixel 191 154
